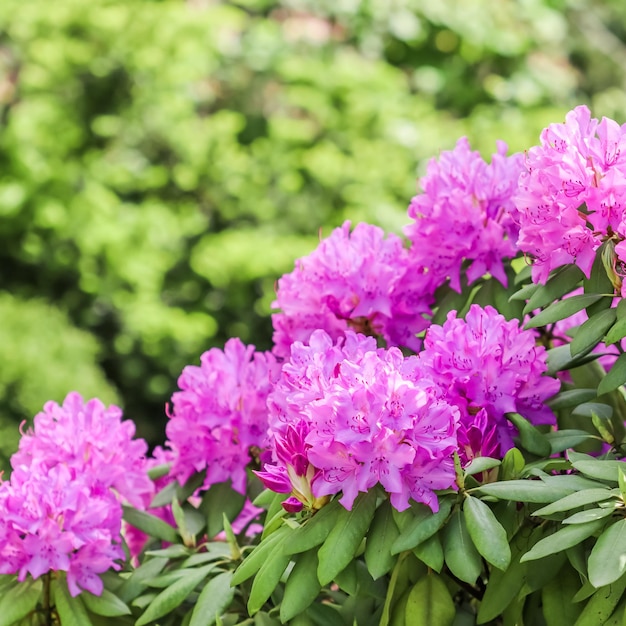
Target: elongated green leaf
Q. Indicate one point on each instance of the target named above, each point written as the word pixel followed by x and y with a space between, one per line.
pixel 607 561
pixel 487 533
pixel 174 595
pixel 213 600
pixel 422 528
pixel 315 530
pixel 560 358
pixel 266 580
pixel 139 579
pixel 617 332
pixel 561 440
pixel 71 610
pixel 562 282
pixel 570 398
pixel 429 603
pixel 481 464
pixel 151 525
pixel 556 598
pixel 460 554
pixel 604 469
pixel 513 465
pixel 253 561
pixel 587 516
pixel 106 604
pixel 525 491
pixel 591 333
pixel 529 436
pixel 615 377
pixel 302 586
pixel 344 539
pixel 571 481
pixel 525 273
pixel 430 552
pixel 589 409
pixel 574 500
pixel 380 537
pixel 17 600
pixel 563 539
pixel 601 604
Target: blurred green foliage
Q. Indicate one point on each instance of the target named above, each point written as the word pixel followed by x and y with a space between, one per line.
pixel 163 163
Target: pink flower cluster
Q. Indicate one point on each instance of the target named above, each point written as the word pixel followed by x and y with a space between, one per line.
pixel 487 367
pixel 347 416
pixel 573 195
pixel 220 414
pixel 354 280
pixel 61 508
pixel 464 216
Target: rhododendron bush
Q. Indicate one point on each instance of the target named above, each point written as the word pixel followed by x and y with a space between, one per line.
pixel 436 437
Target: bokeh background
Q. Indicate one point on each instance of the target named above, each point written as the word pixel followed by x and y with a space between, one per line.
pixel 162 163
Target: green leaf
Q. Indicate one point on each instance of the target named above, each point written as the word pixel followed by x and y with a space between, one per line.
pixel 570 398
pixel 302 586
pixel 380 537
pixel 563 539
pixel 525 292
pixel 512 465
pixel 560 358
pixel 345 538
pixel 481 464
pixel 421 528
pixel 604 469
pixel 607 561
pixel 106 604
pixel 587 516
pixel 213 600
pixel 601 604
pixel 589 409
pixel 18 600
pixel 253 561
pixel 487 533
pixel 267 579
pixel 561 440
pixel 561 310
pixel 221 499
pixel 531 439
pixel 429 603
pixel 71 610
pixel 557 596
pixel 524 274
pixel 591 332
pixel 151 525
pixel 460 554
pixel 138 580
pixel 574 500
pixel 616 376
pixel 173 596
pixel 617 332
pixel 430 552
pixel 315 530
pixel 562 282
pixel 525 491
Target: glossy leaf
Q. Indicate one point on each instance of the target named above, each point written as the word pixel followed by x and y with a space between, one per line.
pixel 562 282
pixel 563 539
pixel 18 599
pixel 615 377
pixel 429 602
pixel 106 604
pixel 421 528
pixel 253 561
pixel 607 561
pixel 460 554
pixel 561 310
pixel 480 464
pixel 603 469
pixel 71 610
pixel 314 531
pixel 344 539
pixel 487 533
pixel 302 586
pixel 221 499
pixel 525 491
pixel 174 595
pixel 592 331
pixel 213 600
pixel 571 398
pixel 380 537
pixel 557 599
pixel 561 440
pixel 430 552
pixel 267 579
pixel 589 515
pixel 150 524
pixel 601 604
pixel 574 500
pixel 529 436
pixel 617 332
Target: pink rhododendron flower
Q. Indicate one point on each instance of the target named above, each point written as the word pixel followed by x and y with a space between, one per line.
pixel 356 280
pixel 220 414
pixel 464 215
pixel 487 367
pixel 573 194
pixel 61 508
pixel 346 416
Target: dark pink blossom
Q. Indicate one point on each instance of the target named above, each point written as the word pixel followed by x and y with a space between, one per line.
pixel 220 415
pixel 356 280
pixel 346 416
pixel 463 215
pixel 488 367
